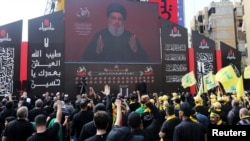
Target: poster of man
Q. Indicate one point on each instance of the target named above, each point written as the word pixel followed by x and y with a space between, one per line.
pixel 108 31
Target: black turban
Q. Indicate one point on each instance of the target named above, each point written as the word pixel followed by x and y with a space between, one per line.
pixel 116 7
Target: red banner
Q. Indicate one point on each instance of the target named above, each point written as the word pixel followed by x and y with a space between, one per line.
pixel 218 59
pixel 191 67
pixel 24 61
pixel 168 9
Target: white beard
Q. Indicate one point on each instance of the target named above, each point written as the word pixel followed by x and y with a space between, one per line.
pixel 116 31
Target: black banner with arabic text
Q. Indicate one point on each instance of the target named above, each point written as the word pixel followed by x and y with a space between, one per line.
pixel 204 55
pixel 46 53
pixel 231 56
pixel 174 55
pixel 10 44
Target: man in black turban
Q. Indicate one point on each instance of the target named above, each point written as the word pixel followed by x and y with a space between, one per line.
pixel 116 7
pixel 115 43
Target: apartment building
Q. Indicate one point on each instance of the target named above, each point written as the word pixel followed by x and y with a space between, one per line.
pixel 226 21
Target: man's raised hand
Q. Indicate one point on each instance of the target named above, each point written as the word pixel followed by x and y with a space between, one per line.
pixel 106 90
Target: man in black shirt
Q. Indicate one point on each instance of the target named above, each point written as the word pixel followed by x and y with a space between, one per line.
pixel 167 128
pixel 188 130
pixel 151 132
pixel 19 129
pixel 102 121
pixel 9 111
pixel 89 129
pixel 37 110
pixel 42 132
pixel 81 118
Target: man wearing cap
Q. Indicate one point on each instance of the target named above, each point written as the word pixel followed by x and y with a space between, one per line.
pixel 84 116
pixel 115 43
pixel 188 130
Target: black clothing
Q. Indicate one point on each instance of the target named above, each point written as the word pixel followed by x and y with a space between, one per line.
pixel 73 113
pixel 18 130
pixel 96 99
pixel 53 115
pixel 202 109
pixel 34 112
pixel 80 119
pixel 115 49
pixel 168 128
pixel 6 113
pixel 51 134
pixel 134 106
pixel 151 132
pixel 87 131
pixel 233 115
pixel 98 137
pixel 188 130
pixel 48 109
pixel 64 132
pixel 244 121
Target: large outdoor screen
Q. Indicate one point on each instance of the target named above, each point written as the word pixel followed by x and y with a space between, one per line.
pixel 111 31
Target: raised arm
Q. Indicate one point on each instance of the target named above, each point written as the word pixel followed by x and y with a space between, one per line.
pixel 118 120
pixel 58 111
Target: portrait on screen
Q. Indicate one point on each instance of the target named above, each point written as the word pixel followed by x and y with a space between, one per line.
pixel 112 31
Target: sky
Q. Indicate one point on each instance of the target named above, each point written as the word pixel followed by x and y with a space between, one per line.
pixel 14 10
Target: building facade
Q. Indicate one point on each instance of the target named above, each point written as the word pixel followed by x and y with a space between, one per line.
pixel 246 27
pixel 226 21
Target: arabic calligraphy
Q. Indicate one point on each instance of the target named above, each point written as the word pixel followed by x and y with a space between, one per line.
pixel 46 65
pixel 175 47
pixel 45 73
pixel 38 53
pixel 45 28
pixel 174 56
pixel 6 69
pixel 36 63
pixel 207 59
pixel 56 82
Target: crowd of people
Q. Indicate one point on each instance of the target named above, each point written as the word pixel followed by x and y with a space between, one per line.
pixel 106 117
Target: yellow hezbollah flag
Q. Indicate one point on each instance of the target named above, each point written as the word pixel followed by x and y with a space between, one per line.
pixel 240 88
pixel 247 72
pixel 200 90
pixel 202 87
pixel 188 80
pixel 209 81
pixel 228 78
pixel 216 82
pixel 59 5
